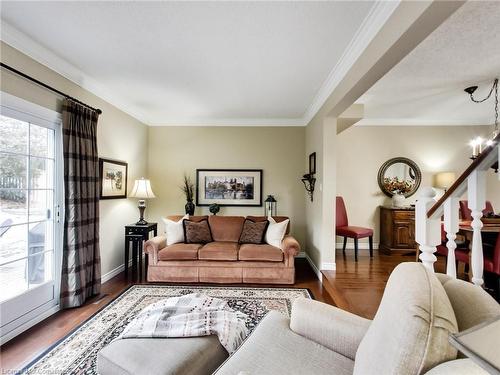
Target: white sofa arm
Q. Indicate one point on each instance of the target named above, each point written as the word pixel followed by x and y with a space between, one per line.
pixel 329 326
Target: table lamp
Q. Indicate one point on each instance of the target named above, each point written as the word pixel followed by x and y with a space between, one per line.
pixel 142 190
pixel 443 180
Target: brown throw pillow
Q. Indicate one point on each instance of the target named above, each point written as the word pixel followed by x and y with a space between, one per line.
pixel 197 232
pixel 253 231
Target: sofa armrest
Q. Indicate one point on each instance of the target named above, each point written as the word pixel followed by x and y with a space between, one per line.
pixel 291 248
pixel 336 329
pixel 154 245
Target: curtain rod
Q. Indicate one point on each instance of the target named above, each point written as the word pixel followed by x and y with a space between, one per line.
pixel 47 86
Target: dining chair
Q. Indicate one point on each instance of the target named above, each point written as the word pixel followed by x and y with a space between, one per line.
pixel 465 212
pixel 343 229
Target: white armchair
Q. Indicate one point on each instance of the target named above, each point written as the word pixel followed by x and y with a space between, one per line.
pixel 409 334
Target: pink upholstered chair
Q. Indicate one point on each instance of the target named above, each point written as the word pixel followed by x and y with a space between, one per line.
pixel 465 212
pixel 343 229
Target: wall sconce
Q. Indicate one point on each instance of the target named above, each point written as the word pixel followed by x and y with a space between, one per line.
pixel 309 182
pixel 270 207
pixel 308 179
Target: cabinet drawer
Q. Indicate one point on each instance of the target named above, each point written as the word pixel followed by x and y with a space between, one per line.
pixel 403 215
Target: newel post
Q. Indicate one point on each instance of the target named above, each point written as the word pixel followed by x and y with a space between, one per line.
pixel 451 222
pixel 477 201
pixel 427 230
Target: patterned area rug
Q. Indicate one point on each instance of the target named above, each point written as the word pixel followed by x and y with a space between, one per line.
pixel 77 352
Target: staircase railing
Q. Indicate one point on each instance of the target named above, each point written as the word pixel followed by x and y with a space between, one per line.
pixel 429 213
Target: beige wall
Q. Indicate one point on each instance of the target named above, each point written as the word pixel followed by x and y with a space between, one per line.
pixel 361 150
pixel 279 151
pixel 119 137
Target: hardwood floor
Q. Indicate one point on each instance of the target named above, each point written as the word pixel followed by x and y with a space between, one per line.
pixel 358 286
pixel 19 351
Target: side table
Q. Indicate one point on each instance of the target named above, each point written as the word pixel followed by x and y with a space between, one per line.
pixel 131 233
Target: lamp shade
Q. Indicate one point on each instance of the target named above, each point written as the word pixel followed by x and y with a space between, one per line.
pixel 142 189
pixel 444 180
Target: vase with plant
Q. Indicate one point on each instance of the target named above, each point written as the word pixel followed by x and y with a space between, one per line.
pixel 188 189
pixel 399 189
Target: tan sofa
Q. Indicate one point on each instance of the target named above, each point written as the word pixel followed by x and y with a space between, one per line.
pixel 224 260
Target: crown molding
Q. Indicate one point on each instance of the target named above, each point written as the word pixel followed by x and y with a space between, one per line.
pixel 418 122
pixel 373 22
pixel 25 44
pixel 376 18
pixel 279 122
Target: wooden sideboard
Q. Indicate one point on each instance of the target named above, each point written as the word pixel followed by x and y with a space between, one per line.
pixel 397 229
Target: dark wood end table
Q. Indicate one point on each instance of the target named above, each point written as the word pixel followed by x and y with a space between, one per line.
pixel 132 231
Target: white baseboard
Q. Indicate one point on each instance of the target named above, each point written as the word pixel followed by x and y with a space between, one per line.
pixel 361 246
pixel 17 331
pixel 318 273
pixel 115 271
pixel 328 266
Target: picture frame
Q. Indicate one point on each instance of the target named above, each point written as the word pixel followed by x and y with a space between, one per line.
pixel 113 178
pixel 229 187
pixel 312 163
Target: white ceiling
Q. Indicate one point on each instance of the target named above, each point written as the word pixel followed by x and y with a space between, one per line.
pixel 192 63
pixel 426 87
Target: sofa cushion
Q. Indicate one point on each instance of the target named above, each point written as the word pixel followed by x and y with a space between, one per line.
pixel 219 251
pixel 278 219
pixel 161 356
pixel 409 334
pixel 262 252
pixel 472 305
pixel 174 230
pixel 197 232
pixel 179 251
pixel 226 228
pixel 276 232
pixel 273 348
pixel 253 231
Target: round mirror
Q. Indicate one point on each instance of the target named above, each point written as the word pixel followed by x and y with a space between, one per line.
pixel 399 175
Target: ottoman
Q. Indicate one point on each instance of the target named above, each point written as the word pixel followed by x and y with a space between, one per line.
pixel 161 356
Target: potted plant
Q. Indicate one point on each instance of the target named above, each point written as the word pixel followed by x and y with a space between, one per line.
pixel 188 189
pixel 398 188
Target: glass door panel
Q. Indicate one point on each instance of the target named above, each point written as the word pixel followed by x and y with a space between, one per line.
pixel 28 226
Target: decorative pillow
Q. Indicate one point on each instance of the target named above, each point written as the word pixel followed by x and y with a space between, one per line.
pixel 174 230
pixel 275 232
pixel 197 232
pixel 253 232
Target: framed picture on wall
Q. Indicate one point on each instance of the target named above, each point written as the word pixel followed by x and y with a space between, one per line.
pixel 229 187
pixel 113 178
pixel 312 163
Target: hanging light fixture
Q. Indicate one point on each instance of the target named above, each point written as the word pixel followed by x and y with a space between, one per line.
pixel 477 143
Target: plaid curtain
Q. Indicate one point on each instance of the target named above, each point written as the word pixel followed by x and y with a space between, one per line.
pixel 81 264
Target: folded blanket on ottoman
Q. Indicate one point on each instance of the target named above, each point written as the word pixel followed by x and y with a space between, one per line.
pixel 187 316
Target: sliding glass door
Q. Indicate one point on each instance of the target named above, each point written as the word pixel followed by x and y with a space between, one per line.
pixel 30 192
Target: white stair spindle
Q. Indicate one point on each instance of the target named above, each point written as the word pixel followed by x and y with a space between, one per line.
pixel 451 229
pixel 427 230
pixel 477 201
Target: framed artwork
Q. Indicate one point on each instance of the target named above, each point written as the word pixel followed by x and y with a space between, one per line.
pixel 312 163
pixel 229 187
pixel 113 178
